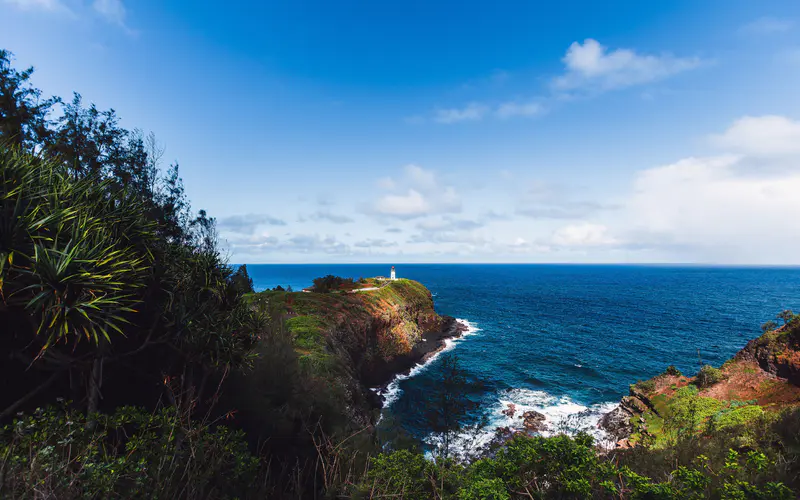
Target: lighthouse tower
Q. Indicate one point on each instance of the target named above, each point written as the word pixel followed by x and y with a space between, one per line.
pixel 392 276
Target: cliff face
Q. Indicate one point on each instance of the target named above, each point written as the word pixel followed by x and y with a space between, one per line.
pixel 762 377
pixel 361 339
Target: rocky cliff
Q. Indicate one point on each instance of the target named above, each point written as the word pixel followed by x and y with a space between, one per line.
pixel 763 377
pixel 361 339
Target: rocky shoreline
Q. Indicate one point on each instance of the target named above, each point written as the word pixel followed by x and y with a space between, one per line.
pixel 430 345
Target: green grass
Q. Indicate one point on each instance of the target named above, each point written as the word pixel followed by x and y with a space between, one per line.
pixel 306 331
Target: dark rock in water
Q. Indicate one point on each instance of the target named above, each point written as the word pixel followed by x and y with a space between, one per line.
pixel 617 423
pixel 510 411
pixel 534 421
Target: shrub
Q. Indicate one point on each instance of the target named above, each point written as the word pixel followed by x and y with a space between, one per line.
pixel 708 376
pixel 736 416
pixel 644 386
pixel 131 453
pixel 769 326
pixel 673 371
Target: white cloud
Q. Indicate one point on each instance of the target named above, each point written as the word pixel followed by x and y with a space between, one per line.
pixel 324 215
pixel 113 10
pixel 761 136
pixel 476 111
pixel 417 195
pixel 48 5
pixel 589 65
pixel 247 223
pixel 583 234
pixel 512 109
pixel 767 26
pixel 375 243
pixel 471 112
pixel 723 212
pixel 412 204
pixel 424 179
pixel 297 244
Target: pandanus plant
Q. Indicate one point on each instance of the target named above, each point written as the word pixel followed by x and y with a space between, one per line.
pixel 73 260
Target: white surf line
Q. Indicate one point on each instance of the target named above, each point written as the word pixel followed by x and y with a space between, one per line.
pixel 392 391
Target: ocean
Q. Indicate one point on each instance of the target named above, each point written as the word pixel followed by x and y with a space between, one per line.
pixel 567 340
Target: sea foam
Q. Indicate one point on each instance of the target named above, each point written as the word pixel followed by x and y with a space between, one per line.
pixel 562 416
pixel 392 391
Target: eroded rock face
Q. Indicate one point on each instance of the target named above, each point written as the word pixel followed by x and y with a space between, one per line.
pixel 774 355
pixel 534 421
pixel 617 423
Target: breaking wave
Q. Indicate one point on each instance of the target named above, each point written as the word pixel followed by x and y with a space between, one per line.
pixel 392 391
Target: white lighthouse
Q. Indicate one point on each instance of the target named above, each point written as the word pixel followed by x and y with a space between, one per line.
pixel 392 275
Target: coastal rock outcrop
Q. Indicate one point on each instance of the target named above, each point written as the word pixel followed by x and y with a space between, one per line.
pixel 534 421
pixel 774 354
pixel 764 374
pixel 363 340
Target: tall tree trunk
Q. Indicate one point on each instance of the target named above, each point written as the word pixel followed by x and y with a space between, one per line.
pixel 95 382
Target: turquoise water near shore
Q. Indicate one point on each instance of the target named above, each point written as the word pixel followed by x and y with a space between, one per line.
pixel 567 340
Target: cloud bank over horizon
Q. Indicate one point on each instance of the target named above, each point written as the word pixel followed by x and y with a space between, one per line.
pixel 616 139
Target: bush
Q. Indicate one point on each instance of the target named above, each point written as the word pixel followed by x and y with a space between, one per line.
pixel 645 386
pixel 131 453
pixel 330 283
pixel 673 371
pixel 736 416
pixel 708 376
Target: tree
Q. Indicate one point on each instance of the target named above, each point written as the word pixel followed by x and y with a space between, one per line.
pixel 448 405
pixel 23 112
pixel 242 282
pixel 786 315
pixel 104 273
pixel 330 283
pixel 769 326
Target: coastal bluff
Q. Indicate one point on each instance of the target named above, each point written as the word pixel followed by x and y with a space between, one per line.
pixel 762 378
pixel 357 341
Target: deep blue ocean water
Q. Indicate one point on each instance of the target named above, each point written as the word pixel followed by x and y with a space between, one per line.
pixel 567 340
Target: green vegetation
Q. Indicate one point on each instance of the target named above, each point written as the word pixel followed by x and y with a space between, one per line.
pixel 672 371
pixel 708 376
pixel 330 283
pixel 143 366
pixel 564 467
pixel 644 386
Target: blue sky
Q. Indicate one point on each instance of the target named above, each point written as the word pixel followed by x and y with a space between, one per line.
pixel 454 131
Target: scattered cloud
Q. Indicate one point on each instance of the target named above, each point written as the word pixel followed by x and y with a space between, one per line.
pixel 722 211
pixel 767 26
pixel 375 243
pixel 394 230
pixel 417 194
pixel 48 5
pixel 297 244
pixel 583 234
pixel 331 217
pixel 247 223
pixel 562 209
pixel 449 224
pixel 112 10
pixel 425 179
pixel 412 204
pixel 761 136
pixel 476 111
pixel 513 109
pixel 592 67
pixel 473 111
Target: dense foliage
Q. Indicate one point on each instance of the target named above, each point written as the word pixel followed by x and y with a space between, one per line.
pixel 331 283
pixel 138 364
